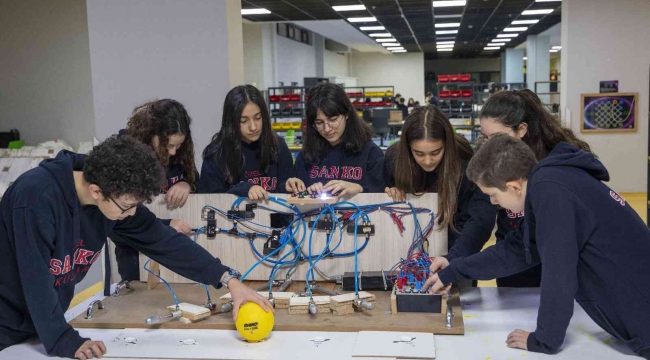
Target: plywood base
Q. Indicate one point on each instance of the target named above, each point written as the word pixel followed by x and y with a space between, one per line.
pixel 131 309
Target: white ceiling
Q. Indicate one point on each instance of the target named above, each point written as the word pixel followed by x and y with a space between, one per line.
pixel 341 31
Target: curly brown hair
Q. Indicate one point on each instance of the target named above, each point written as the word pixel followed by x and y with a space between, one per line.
pixel 164 118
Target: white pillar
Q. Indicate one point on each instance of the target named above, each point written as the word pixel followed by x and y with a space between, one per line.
pixel 538 64
pixel 514 64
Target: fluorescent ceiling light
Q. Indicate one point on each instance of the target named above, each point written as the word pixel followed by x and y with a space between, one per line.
pixel 443 32
pixel 495 44
pixel 395 48
pixel 380 35
pixel 491 48
pixel 386 40
pixel 507 35
pixel 548 0
pixel 449 3
pixel 399 51
pixel 525 58
pixel 556 47
pixel 446 38
pixel 522 22
pixel 447 16
pixel 444 46
pixel 445 42
pixel 537 12
pixel 441 50
pixel 254 11
pixel 370 28
pixel 349 7
pixel 501 40
pixel 362 19
pixel 390 44
pixel 447 25
pixel 515 29
pixel 553 50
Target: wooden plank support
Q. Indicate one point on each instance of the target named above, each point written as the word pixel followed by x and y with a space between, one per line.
pixel 300 305
pixel 191 313
pixel 344 304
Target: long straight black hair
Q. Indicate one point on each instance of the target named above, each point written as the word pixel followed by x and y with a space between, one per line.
pixel 226 144
pixel 332 100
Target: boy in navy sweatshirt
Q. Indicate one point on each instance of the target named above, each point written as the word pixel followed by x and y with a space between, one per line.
pixel 54 222
pixel 593 247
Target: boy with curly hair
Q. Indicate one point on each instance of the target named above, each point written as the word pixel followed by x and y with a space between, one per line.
pixel 54 222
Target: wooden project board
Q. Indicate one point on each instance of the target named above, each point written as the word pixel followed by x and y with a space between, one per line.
pixel 385 248
pixel 131 309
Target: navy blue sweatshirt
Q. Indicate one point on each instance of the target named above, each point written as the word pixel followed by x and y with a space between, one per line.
pixel 474 217
pixel 593 247
pixel 48 241
pixel 213 178
pixel 364 167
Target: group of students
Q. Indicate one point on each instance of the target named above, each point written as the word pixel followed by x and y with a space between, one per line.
pixel 578 238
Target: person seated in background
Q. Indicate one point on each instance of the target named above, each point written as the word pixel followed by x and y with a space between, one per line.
pixel 410 103
pixel 404 108
pixel 54 224
pixel 246 157
pixel 593 246
pixel 396 99
pixel 430 99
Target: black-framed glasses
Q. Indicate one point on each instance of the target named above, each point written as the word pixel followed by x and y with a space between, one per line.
pixel 332 123
pixel 121 208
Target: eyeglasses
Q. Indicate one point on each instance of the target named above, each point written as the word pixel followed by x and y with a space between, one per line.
pixel 122 209
pixel 332 123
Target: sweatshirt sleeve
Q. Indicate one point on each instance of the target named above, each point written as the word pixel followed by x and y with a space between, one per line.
pixel 374 176
pixel 36 235
pixel 505 258
pixel 286 169
pixel 478 227
pixel 213 181
pixel 301 170
pixel 563 223
pixel 389 166
pixel 173 250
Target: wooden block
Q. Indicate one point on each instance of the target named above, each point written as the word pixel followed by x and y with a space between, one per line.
pixel 152 280
pixel 393 302
pixel 300 305
pixel 344 304
pixel 309 201
pixel 343 310
pixel 191 312
pixel 301 309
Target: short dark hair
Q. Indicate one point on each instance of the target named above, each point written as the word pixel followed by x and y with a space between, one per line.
pixel 429 93
pixel 333 101
pixel 501 159
pixel 121 165
pixel 401 100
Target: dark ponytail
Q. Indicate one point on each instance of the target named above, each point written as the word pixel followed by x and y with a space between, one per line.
pixel 512 108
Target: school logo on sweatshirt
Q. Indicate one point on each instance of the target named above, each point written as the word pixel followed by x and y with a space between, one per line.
pixel 67 269
pixel 171 182
pixel 512 215
pixel 336 172
pixel 617 197
pixel 266 182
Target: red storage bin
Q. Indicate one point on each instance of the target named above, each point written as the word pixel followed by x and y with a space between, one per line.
pixel 357 104
pixel 295 97
pixel 466 93
pixel 388 103
pixel 444 94
pixel 454 78
pixel 443 78
pixel 306 97
pixel 376 103
pixel 465 77
pixel 274 98
pixel 455 93
pixel 285 97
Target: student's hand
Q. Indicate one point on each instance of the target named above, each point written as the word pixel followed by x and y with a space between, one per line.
pixel 181 226
pixel 315 188
pixel 518 339
pixel 435 285
pixel 295 185
pixel 340 188
pixel 395 193
pixel 177 195
pixel 90 349
pixel 438 264
pixel 242 294
pixel 258 193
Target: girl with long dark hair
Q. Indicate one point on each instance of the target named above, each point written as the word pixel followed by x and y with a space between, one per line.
pixel 338 155
pixel 246 157
pixel 430 157
pixel 520 114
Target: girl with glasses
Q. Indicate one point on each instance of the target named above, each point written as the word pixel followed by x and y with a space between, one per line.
pixel 338 154
pixel 430 157
pixel 246 157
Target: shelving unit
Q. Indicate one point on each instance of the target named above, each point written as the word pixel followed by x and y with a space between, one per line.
pixel 380 96
pixel 456 99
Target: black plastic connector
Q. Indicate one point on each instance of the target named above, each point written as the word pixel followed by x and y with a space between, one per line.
pixel 211 229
